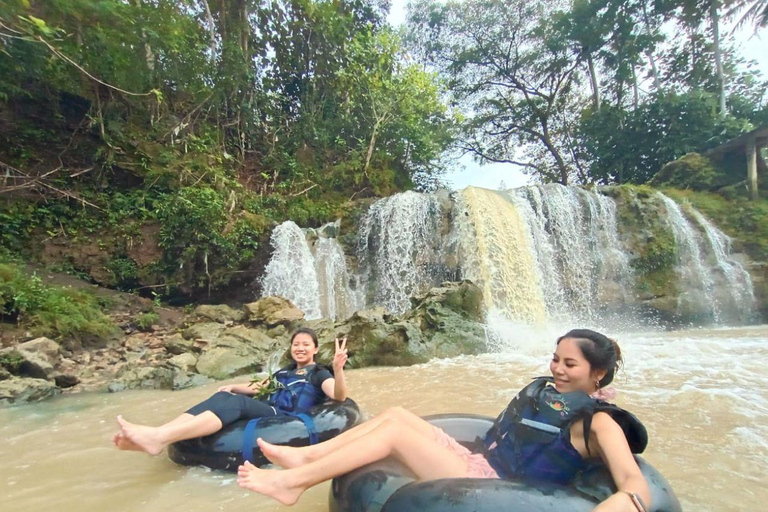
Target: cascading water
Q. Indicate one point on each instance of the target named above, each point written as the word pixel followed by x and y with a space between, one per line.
pixel 291 271
pixel 539 253
pixel 580 262
pixel 337 300
pixel 737 278
pixel 311 274
pixel 400 249
pixel 494 253
pixel 699 291
pixel 703 262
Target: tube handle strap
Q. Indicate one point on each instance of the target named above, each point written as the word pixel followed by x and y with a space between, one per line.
pixel 249 440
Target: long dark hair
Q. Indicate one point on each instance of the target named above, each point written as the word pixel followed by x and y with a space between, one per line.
pixel 599 350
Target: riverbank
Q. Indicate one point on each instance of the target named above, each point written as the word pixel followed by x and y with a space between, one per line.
pixel 190 347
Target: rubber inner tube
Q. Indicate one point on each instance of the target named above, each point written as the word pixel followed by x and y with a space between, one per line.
pixel 224 449
pixel 387 486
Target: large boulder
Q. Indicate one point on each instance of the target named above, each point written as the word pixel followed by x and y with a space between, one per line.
pixel 220 313
pixel 451 319
pixel 142 377
pixel 205 332
pixel 378 339
pixel 177 344
pixel 19 390
pixel 35 358
pixel 273 311
pixel 238 350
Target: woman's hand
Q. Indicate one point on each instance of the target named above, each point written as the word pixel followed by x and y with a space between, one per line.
pixel 228 388
pixel 340 357
pixel 241 389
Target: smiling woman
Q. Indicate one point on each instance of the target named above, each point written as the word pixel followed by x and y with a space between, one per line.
pixel 300 386
pixel 549 432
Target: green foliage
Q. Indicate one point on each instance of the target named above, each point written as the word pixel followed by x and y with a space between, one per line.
pixel 50 310
pixel 202 240
pixel 12 361
pixel 145 321
pixel 630 147
pixel 124 270
pixel 691 171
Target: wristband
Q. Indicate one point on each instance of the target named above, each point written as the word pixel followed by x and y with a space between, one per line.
pixel 637 501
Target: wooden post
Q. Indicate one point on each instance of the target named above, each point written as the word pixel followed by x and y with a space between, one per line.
pixel 752 167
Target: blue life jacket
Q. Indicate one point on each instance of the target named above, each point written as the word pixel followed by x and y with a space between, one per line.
pixel 296 394
pixel 531 438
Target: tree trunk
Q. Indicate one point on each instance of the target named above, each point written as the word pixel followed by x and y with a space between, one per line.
pixel 594 81
pixel 651 58
pixel 561 167
pixel 718 57
pixel 211 30
pixel 635 91
pixel 752 168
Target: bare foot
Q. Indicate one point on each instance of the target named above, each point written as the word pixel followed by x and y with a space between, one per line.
pixel 284 456
pixel 146 439
pixel 269 482
pixel 124 443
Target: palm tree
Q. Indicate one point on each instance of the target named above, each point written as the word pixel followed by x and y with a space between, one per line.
pixel 749 12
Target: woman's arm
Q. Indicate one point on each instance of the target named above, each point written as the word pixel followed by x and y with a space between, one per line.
pixel 615 452
pixel 336 388
pixel 242 389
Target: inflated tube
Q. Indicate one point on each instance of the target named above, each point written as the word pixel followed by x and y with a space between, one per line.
pixel 387 486
pixel 224 449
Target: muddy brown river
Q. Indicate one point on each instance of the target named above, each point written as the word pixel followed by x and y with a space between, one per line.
pixel 702 394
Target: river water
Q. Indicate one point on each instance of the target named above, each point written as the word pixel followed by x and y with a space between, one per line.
pixel 702 394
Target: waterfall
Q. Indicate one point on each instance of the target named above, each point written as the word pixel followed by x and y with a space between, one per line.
pixel 737 278
pixel 538 253
pixel 580 262
pixel 311 274
pixel 714 281
pixel 291 271
pixel 495 254
pixel 400 249
pixel 337 300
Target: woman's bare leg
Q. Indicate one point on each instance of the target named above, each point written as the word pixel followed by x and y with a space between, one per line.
pixel 154 439
pixel 124 443
pixel 290 457
pixel 427 459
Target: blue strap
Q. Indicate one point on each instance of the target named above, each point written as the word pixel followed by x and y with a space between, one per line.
pixel 310 424
pixel 250 431
pixel 249 440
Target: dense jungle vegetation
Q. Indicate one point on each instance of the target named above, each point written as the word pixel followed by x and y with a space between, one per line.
pixel 151 145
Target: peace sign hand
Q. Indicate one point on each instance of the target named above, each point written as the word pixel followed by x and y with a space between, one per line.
pixel 340 357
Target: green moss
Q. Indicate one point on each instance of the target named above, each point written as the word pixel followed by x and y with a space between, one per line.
pixel 745 221
pixel 145 321
pixel 650 239
pixel 11 361
pixel 692 171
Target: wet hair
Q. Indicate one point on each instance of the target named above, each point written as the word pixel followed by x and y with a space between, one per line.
pixel 600 351
pixel 305 330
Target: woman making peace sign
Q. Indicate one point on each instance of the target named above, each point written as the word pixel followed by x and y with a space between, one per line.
pixel 303 384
